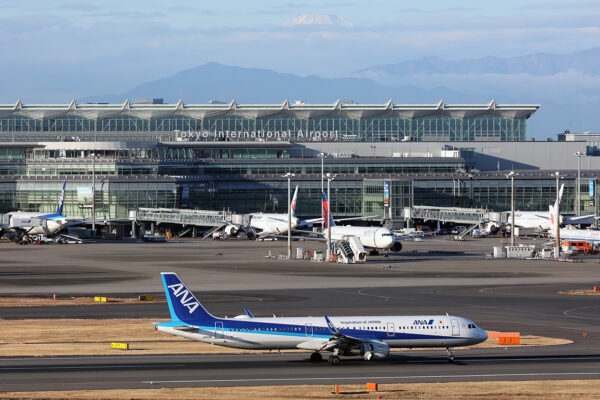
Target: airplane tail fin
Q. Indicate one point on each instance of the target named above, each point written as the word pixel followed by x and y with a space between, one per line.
pixel 61 199
pixel 327 218
pixel 183 305
pixel 293 205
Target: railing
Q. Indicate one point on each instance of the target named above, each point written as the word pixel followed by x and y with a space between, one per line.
pixel 183 217
pixel 448 214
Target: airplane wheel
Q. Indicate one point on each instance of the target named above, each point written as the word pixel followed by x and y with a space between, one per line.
pixel 450 358
pixel 334 360
pixel 316 357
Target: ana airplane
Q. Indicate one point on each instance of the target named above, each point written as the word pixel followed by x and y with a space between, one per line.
pixel 36 223
pixel 370 337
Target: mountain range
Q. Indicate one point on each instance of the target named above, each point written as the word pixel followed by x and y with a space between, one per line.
pixel 541 64
pixel 566 86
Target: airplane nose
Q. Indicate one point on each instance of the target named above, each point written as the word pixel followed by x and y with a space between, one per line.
pixel 482 334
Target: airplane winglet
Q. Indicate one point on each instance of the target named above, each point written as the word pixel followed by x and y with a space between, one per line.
pixel 331 326
pixel 248 313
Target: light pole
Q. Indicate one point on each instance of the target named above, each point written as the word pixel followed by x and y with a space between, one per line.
pixel 330 177
pixel 322 155
pixel 512 175
pixel 557 214
pixel 578 192
pixel 93 194
pixel 289 176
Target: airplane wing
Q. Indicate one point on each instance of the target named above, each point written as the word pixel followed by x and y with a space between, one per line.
pixel 313 220
pixel 316 239
pixel 583 219
pixel 339 339
pixel 419 234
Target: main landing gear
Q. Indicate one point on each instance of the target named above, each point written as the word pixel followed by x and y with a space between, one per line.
pixel 332 360
pixel 450 354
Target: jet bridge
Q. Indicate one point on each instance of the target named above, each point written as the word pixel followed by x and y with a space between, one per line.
pixel 456 215
pixel 184 217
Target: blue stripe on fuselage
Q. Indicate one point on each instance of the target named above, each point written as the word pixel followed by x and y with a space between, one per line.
pixel 319 332
pixel 51 216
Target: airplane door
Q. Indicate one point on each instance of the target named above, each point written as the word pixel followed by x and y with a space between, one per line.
pixel 218 329
pixel 390 329
pixel 455 327
pixel 309 329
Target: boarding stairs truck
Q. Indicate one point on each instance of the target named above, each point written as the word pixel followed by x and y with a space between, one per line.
pixel 350 250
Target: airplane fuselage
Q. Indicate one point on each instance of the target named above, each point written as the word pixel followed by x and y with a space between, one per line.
pixel 587 235
pixel 272 223
pixel 311 332
pixel 371 237
pixel 35 223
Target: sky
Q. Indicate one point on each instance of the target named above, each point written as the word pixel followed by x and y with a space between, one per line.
pixel 55 51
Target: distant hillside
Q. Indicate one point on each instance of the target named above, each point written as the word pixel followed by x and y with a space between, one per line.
pixel 224 83
pixel 587 62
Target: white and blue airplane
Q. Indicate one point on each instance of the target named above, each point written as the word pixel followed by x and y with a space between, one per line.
pixel 37 223
pixel 370 337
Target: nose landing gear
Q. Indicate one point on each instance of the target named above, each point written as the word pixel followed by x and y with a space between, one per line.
pixel 450 354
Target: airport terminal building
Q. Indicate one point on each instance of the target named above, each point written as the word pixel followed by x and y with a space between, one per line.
pixel 233 157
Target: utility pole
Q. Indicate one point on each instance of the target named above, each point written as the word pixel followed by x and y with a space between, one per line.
pixel 578 191
pixel 329 219
pixel 93 194
pixel 512 175
pixel 289 176
pixel 557 213
pixel 322 155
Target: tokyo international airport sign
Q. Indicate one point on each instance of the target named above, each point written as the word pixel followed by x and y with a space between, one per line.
pixel 261 135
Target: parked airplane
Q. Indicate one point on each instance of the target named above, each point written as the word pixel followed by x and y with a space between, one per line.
pixel 36 223
pixel 263 224
pixel 370 337
pixel 375 238
pixel 586 235
pixel 540 220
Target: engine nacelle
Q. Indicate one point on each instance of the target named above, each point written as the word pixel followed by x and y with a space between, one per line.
pixel 369 351
pixel 397 246
pixel 231 230
pixel 375 350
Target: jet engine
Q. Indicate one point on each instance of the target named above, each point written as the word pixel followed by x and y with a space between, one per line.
pixel 375 350
pixel 369 350
pixel 397 246
pixel 232 230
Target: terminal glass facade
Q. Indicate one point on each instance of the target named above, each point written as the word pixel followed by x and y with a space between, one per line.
pixel 380 128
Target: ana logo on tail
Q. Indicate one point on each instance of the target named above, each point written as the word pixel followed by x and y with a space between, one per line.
pixel 187 299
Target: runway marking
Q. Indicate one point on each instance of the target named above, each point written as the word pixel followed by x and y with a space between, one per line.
pixel 86 367
pixel 566 312
pixel 507 359
pixel 374 377
pixel 385 298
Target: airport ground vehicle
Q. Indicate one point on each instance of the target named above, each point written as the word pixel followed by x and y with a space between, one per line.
pixel 581 246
